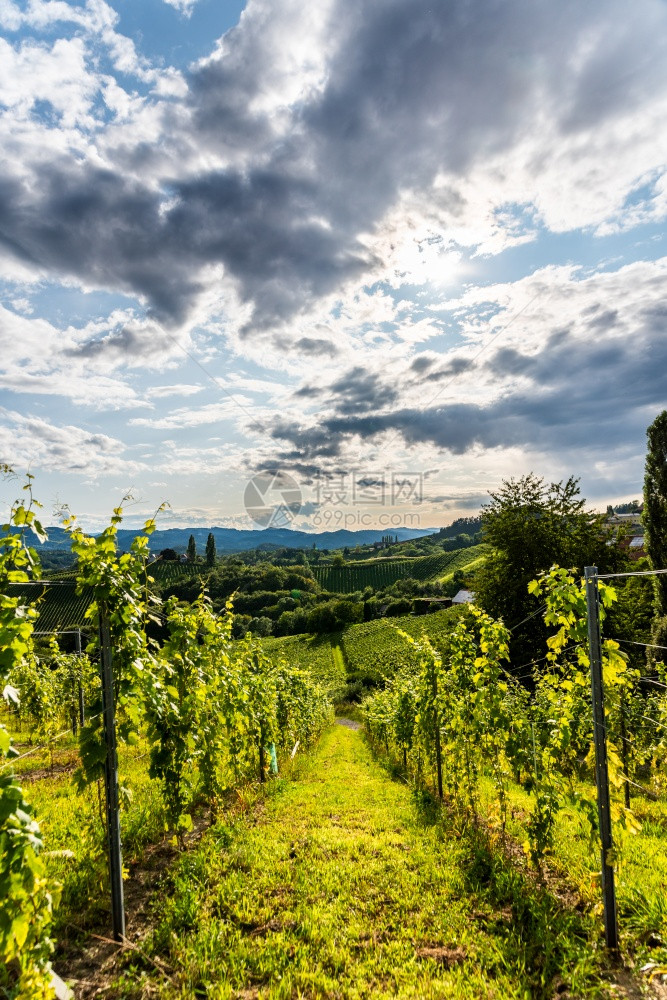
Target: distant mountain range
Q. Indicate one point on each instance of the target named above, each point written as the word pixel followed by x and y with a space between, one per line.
pixel 229 540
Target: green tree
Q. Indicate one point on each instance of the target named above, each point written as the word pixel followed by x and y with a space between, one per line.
pixel 654 517
pixel 261 626
pixel 210 550
pixel 192 549
pixel 533 525
pixel 655 506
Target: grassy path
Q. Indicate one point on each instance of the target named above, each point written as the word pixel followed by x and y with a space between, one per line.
pixel 338 658
pixel 334 889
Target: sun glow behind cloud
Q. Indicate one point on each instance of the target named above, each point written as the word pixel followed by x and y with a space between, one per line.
pixel 387 235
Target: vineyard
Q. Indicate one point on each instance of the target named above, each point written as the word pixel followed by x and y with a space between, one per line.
pixel 312 654
pixel 166 742
pixel 370 652
pixel 166 572
pixel 458 723
pixel 194 721
pixel 375 650
pixel 58 605
pixel 380 573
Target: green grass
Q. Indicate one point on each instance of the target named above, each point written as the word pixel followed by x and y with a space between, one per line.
pixel 340 887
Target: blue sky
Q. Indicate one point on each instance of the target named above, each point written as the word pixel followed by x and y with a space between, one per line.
pixel 379 242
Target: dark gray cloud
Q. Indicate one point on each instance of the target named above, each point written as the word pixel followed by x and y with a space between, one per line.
pixel 359 391
pixel 316 346
pixel 130 343
pixel 422 363
pixel 455 366
pixel 580 393
pixel 465 501
pixel 309 392
pixel 412 88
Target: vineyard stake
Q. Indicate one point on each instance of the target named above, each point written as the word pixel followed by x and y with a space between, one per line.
pixel 111 778
pixel 601 769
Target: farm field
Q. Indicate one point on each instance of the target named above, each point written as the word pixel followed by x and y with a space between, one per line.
pixel 375 650
pixel 336 874
pixel 379 573
pixel 58 604
pixel 314 654
pixel 341 887
pixel 467 561
pixel 169 570
pixel 247 870
pixel 371 650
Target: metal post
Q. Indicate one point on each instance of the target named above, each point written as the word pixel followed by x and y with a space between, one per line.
pixel 111 779
pixel 601 770
pixel 438 749
pixel 82 707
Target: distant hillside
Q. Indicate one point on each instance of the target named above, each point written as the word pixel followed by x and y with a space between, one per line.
pixel 379 573
pixel 235 540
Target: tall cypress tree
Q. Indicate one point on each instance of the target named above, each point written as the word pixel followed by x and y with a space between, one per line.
pixel 654 514
pixel 210 549
pixel 192 549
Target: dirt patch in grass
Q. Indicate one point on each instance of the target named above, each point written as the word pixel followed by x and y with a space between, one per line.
pixel 447 956
pixel 57 771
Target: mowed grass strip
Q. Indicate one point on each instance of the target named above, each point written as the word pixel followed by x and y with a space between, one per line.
pixel 335 889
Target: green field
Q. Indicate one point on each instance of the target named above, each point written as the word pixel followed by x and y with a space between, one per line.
pixel 314 654
pixel 170 570
pixel 467 560
pixel 371 651
pixel 374 650
pixel 380 573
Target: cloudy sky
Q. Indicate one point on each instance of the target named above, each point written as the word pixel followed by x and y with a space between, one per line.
pixel 397 249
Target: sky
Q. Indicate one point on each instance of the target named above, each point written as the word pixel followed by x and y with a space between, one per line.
pixel 377 256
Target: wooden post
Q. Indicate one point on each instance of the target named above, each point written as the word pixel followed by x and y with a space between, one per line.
pixel 111 779
pixel 601 768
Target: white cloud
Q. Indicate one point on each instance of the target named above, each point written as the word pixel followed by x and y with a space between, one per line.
pixel 57 76
pixel 182 6
pixel 211 413
pixel 90 365
pixel 182 389
pixel 33 442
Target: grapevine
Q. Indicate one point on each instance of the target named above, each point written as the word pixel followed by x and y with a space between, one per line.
pixel 27 896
